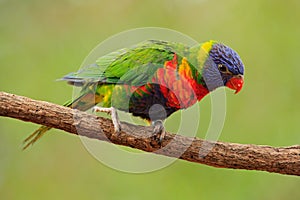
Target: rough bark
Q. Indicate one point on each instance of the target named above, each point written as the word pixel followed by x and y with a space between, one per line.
pixel 283 160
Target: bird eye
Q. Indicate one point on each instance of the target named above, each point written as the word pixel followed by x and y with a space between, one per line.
pixel 222 68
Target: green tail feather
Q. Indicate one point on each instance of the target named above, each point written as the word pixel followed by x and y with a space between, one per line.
pixel 84 102
pixel 32 138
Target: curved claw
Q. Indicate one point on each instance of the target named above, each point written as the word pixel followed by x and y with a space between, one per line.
pixel 159 129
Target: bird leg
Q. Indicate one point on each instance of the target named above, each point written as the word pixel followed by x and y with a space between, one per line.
pixel 114 116
pixel 158 129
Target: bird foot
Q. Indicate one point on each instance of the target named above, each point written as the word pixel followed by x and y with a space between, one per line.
pixel 114 116
pixel 158 130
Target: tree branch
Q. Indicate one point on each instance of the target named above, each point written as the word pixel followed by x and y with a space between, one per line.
pixel 283 160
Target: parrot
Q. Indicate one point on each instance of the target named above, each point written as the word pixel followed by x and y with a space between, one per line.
pixel 152 80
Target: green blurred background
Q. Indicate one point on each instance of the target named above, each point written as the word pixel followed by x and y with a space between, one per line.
pixel 41 41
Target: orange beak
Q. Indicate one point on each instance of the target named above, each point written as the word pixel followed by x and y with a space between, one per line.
pixel 236 83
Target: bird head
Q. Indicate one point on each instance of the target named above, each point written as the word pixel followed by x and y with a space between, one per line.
pixel 223 68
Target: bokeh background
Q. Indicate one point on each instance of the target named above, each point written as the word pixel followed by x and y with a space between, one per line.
pixel 41 41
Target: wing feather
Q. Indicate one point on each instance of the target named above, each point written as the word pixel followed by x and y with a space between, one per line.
pixel 134 66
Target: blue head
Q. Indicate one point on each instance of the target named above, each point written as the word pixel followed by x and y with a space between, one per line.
pixel 223 67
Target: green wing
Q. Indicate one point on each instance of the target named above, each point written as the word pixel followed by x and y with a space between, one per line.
pixel 132 66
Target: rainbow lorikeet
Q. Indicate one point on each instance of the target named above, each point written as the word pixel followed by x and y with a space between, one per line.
pixel 152 80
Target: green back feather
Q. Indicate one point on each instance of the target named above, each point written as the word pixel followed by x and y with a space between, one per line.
pixel 133 66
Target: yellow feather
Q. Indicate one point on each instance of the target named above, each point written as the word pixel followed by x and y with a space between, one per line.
pixel 184 68
pixel 204 51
